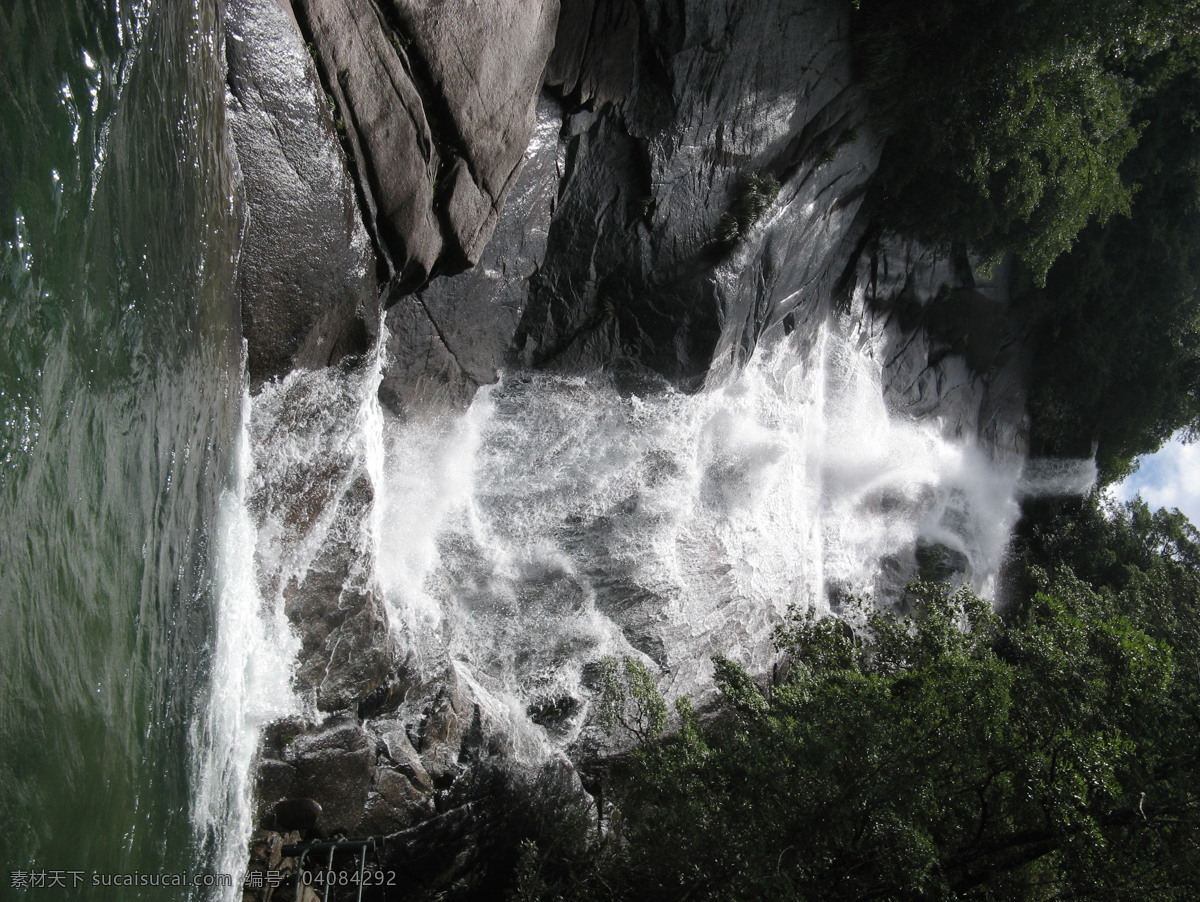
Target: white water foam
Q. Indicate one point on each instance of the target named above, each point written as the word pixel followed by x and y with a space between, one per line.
pixel 251 682
pixel 563 518
pixel 303 441
pixel 1048 477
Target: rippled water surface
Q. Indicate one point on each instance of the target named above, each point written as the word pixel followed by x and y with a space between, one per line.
pixel 120 389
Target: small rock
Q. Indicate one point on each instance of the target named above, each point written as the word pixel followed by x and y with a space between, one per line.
pixel 335 768
pixel 941 564
pixel 405 757
pixel 449 716
pixel 297 814
pixel 274 782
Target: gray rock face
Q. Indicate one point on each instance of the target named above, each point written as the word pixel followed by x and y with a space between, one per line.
pixel 677 113
pixel 689 186
pixel 306 274
pixel 625 238
pixel 638 229
pixel 399 748
pixel 453 335
pixel 313 497
pixel 955 343
pixel 437 107
pixel 484 63
pixel 335 768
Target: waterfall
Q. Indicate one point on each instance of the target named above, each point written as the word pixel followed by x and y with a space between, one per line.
pixel 564 518
pixel 254 649
pixel 1047 477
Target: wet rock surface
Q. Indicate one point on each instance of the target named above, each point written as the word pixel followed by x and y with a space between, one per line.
pixel 653 188
pixel 662 185
pixel 306 273
pixel 672 117
pixel 313 497
pixel 437 107
pixel 956 345
pixel 454 334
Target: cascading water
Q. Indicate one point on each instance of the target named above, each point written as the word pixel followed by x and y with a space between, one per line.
pixel 1047 477
pixel 274 524
pixel 254 649
pixel 562 519
pixel 456 571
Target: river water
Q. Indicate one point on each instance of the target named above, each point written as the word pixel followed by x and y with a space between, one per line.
pixel 121 390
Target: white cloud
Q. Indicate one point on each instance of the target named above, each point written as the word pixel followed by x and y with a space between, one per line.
pixel 1168 478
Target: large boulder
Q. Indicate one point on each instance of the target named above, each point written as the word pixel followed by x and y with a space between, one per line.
pixel 436 103
pixel 453 335
pixel 306 276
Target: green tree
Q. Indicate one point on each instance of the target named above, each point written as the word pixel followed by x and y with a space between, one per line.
pixel 948 754
pixel 1008 119
pixel 1116 330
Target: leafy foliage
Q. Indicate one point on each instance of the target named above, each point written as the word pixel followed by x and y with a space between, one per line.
pixel 1065 133
pixel 952 753
pixel 1116 330
pixel 1009 119
pixel 928 757
pixel 629 700
pixel 754 197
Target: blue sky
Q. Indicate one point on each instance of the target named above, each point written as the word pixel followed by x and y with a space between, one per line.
pixel 1168 478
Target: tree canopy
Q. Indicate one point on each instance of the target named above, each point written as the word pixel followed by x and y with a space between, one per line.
pixel 1064 133
pixel 1008 120
pixel 1116 328
pixel 952 753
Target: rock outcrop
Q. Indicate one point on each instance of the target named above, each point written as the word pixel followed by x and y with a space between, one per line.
pixel 956 345
pixel 306 274
pixel 436 104
pixel 622 241
pixel 662 185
